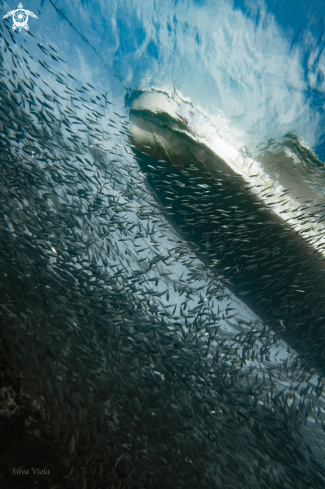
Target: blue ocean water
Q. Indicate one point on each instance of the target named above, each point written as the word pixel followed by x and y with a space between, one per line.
pixel 261 64
pixel 135 337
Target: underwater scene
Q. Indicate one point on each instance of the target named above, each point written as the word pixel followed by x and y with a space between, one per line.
pixel 162 244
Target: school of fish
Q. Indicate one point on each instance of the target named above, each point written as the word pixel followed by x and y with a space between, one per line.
pixel 141 352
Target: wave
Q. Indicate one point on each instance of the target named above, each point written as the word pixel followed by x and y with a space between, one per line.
pixel 113 319
pixel 247 62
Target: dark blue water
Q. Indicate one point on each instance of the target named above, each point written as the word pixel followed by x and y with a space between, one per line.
pixel 139 348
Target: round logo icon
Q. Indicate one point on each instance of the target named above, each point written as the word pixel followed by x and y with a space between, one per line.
pixel 20 18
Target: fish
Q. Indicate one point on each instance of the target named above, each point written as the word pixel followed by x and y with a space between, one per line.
pixel 140 367
pixel 240 225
